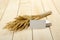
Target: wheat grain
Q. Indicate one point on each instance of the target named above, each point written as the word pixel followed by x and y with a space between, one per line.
pixel 22 22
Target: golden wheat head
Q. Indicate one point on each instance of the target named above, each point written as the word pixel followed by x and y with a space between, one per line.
pixel 22 22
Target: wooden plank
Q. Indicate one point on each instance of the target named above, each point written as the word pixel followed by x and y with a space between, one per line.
pixel 42 34
pixel 23 35
pixel 10 14
pixel 56 4
pixel 28 7
pixel 5 35
pixel 54 18
pixel 3 6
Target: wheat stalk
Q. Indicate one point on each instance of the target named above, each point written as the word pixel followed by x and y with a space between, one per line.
pixel 22 22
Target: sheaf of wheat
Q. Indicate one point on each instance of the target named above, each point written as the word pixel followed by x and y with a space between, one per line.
pixel 23 22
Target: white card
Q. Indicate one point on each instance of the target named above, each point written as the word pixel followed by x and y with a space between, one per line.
pixel 37 24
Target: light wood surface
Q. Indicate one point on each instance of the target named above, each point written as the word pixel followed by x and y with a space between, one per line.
pixel 41 34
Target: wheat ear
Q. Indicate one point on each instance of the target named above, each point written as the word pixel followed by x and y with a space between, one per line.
pixel 22 22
